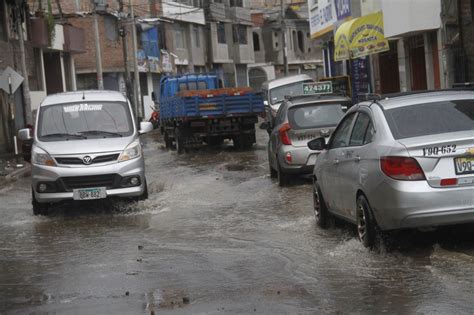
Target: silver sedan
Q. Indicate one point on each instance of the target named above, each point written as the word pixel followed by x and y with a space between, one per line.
pixel 300 119
pixel 405 161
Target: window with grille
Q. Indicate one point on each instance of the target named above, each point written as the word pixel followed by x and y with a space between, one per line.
pixel 221 33
pixel 239 34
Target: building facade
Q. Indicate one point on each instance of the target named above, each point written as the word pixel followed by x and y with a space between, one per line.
pixel 50 52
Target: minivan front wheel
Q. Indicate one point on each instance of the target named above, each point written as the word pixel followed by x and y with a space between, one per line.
pixel 366 225
pixel 38 208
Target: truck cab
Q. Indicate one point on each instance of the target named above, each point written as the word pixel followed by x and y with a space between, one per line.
pixel 170 86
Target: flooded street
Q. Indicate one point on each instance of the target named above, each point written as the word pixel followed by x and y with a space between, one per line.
pixel 217 235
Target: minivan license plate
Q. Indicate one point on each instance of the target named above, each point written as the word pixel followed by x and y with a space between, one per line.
pixel 89 193
pixel 464 165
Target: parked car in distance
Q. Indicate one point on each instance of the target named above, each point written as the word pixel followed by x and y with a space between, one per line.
pixel 300 119
pixel 86 146
pixel 274 92
pixel 404 161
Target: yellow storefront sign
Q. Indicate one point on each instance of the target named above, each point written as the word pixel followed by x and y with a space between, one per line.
pixel 360 37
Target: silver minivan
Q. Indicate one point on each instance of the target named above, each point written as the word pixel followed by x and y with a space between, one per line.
pixel 86 146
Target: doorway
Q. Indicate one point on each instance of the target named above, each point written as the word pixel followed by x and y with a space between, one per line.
pixel 389 73
pixel 417 63
pixel 53 72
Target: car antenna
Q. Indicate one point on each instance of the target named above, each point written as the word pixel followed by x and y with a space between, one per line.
pixel 83 95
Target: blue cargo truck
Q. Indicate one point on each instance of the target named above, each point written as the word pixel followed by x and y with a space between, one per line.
pixel 195 109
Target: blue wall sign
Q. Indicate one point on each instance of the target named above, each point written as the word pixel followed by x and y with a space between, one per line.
pixel 343 9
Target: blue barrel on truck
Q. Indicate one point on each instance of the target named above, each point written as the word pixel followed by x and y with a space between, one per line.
pixel 194 109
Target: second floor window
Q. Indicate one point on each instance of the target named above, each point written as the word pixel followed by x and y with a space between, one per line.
pixel 236 3
pixel 197 37
pixel 239 34
pixel 179 37
pixel 256 42
pixel 221 33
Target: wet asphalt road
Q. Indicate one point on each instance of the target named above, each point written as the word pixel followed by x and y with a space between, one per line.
pixel 217 235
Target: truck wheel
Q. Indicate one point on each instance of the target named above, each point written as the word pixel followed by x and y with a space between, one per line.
pixel 168 141
pixel 179 139
pixel 216 141
pixel 247 142
pixel 243 142
pixel 38 208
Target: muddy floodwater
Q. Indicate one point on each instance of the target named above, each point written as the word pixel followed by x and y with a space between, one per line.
pixel 217 235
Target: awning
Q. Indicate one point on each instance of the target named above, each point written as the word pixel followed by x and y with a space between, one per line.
pixel 360 37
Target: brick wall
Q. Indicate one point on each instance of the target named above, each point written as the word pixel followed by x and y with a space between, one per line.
pixel 111 50
pixel 468 34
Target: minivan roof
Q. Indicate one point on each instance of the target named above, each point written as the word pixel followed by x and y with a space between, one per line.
pixel 83 96
pixel 284 81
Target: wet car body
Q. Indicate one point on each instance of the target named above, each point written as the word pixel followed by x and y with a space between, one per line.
pixel 103 159
pixel 299 120
pixel 398 163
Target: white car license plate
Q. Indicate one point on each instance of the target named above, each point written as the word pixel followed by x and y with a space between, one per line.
pixel 464 165
pixel 89 193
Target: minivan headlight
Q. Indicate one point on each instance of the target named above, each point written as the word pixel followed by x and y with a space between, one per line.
pixel 132 151
pixel 41 157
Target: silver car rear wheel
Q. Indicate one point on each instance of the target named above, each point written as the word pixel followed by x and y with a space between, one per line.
pixel 321 212
pixel 283 179
pixel 366 225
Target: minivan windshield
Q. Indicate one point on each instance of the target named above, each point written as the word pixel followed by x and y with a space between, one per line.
pixel 278 94
pixel 75 121
pixel 431 118
pixel 315 115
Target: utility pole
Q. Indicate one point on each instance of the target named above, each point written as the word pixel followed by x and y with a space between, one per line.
pixel 283 30
pixel 123 34
pixel 98 60
pixel 26 82
pixel 136 82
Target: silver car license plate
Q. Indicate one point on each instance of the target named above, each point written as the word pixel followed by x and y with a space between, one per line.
pixel 464 165
pixel 89 193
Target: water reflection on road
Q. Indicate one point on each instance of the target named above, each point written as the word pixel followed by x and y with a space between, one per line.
pixel 217 235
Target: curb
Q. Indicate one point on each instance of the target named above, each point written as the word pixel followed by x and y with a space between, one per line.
pixel 19 172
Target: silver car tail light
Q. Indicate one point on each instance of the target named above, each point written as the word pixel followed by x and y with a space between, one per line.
pixel 401 168
pixel 283 133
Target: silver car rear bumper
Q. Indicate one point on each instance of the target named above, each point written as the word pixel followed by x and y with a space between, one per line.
pixel 303 159
pixel 413 204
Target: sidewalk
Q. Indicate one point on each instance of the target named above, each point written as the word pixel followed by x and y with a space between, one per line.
pixel 10 170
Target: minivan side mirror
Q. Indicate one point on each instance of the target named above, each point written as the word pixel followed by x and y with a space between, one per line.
pixel 24 134
pixel 318 144
pixel 145 127
pixel 153 96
